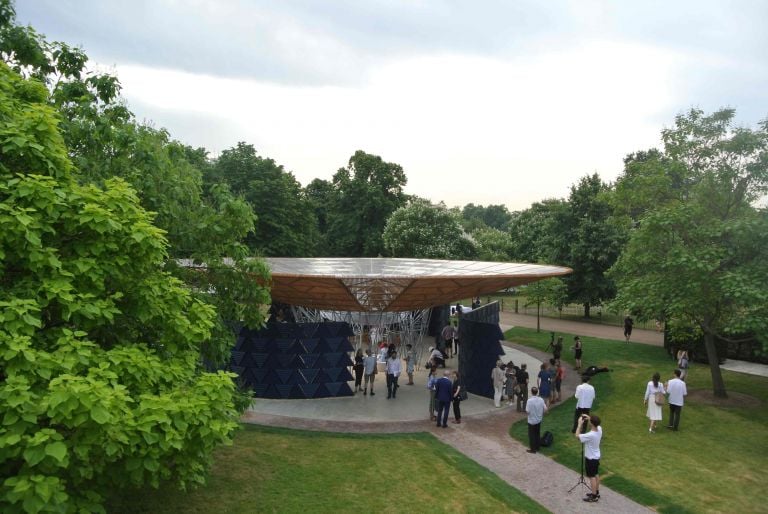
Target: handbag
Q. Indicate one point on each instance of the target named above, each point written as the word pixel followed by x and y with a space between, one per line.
pixel 659 398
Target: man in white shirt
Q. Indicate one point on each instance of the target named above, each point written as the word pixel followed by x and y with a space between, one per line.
pixel 394 367
pixel 369 371
pixel 591 442
pixel 535 407
pixel 677 390
pixel 585 395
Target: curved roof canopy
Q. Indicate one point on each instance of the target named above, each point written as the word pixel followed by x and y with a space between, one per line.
pixel 374 285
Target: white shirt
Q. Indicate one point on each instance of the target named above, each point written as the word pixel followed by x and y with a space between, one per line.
pixel 591 442
pixel 535 407
pixel 393 366
pixel 650 389
pixel 370 364
pixel 676 389
pixel 586 395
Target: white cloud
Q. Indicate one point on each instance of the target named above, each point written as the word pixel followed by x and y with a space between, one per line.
pixel 466 129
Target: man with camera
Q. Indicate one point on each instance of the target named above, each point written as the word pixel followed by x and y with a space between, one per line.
pixel 591 442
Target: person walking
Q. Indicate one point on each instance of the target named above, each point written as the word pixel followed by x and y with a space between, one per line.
pixel 577 350
pixel 456 390
pixel 682 364
pixel 535 407
pixel 369 371
pixel 652 390
pixel 497 377
pixel 431 381
pixel 358 367
pixel 443 395
pixel 628 324
pixel 394 368
pixel 677 390
pixel 591 441
pixel 522 383
pixel 585 396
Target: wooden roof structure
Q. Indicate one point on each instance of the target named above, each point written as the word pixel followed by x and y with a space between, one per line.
pixel 393 285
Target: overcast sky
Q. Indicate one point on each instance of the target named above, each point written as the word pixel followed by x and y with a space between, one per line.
pixel 487 102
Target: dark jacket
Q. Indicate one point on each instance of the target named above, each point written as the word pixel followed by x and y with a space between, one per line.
pixel 444 389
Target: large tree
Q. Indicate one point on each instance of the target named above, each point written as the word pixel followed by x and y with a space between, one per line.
pixel 538 232
pixel 703 259
pixel 104 141
pixel 493 216
pixel 366 193
pixel 285 222
pixel 100 379
pixel 426 231
pixel 589 243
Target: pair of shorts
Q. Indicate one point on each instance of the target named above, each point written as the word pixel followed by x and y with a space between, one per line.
pixel 591 466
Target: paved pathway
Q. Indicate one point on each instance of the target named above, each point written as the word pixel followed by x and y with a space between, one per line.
pixel 510 319
pixel 484 438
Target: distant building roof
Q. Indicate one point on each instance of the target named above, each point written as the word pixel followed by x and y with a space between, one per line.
pixel 379 284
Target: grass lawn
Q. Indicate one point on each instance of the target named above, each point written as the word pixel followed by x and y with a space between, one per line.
pixel 715 463
pixel 280 470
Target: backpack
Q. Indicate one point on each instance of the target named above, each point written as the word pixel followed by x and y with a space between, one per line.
pixel 547 439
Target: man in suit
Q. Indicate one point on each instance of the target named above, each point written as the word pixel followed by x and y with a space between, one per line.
pixel 443 395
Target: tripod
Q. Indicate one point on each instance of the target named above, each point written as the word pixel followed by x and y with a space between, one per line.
pixel 581 481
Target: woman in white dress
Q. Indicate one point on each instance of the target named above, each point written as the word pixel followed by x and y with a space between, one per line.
pixel 654 410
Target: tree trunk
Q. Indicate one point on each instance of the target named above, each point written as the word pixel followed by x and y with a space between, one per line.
pixel 538 315
pixel 586 309
pixel 718 386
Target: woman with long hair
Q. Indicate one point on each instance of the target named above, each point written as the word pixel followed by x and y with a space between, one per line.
pixel 653 411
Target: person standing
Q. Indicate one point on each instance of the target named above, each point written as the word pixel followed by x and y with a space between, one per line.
pixel 559 377
pixel 448 334
pixel 409 363
pixel 456 398
pixel 557 348
pixel 497 377
pixel 591 441
pixel 653 412
pixel 511 385
pixel 677 390
pixel 394 368
pixel 522 383
pixel 682 364
pixel 358 367
pixel 535 407
pixel 443 395
pixel 369 364
pixel 431 381
pixel 628 324
pixel 543 382
pixel 585 396
pixel 577 351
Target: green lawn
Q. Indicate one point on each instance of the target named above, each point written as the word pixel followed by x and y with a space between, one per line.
pixel 715 463
pixel 279 470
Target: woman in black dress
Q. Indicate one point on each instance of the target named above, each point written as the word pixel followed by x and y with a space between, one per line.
pixel 358 367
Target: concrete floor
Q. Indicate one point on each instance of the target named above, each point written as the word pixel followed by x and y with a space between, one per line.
pixel 411 404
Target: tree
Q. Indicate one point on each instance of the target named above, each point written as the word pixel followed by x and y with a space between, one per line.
pixel 538 231
pixel 105 141
pixel 493 216
pixel 591 244
pixel 427 231
pixel 703 260
pixel 100 378
pixel 367 192
pixel 285 224
pixel 551 290
pixel 321 195
pixel 492 244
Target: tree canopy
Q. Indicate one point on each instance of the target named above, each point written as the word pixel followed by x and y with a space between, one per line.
pixel 426 231
pixel 100 381
pixel 701 259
